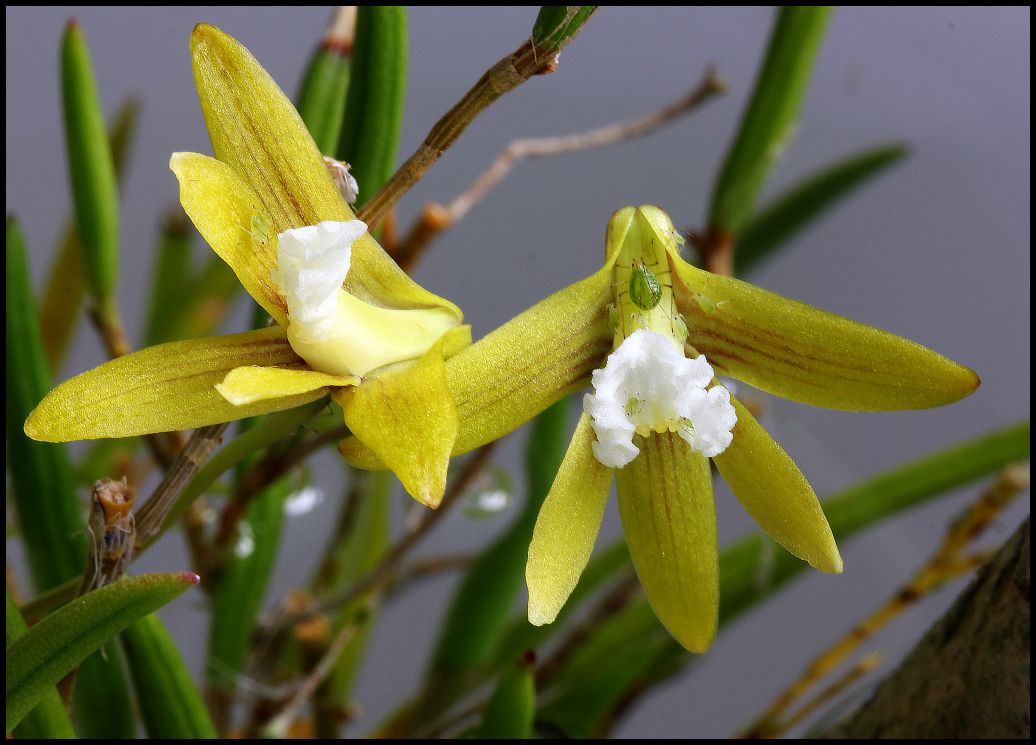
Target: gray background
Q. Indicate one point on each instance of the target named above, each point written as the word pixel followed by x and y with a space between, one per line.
pixel 936 251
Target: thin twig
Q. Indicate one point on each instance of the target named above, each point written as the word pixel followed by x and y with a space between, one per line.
pixel 109 328
pixel 450 722
pixel 843 683
pixel 279 724
pixel 328 567
pixel 386 569
pixel 436 218
pixel 429 566
pixel 153 514
pixel 270 467
pixel 528 61
pixel 947 563
pixel 612 602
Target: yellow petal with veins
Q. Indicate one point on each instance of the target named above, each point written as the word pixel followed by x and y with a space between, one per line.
pixel 245 385
pixel 230 218
pixel 669 518
pixel 161 389
pixel 521 368
pixel 567 526
pixel 774 492
pixel 406 416
pixel 258 133
pixel 807 354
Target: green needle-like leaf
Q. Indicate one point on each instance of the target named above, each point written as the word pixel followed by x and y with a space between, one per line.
pixel 790 213
pixel 57 644
pixel 41 475
pixel 48 720
pixel 769 122
pixel 363 547
pixel 325 83
pixel 102 696
pixel 91 169
pixel 512 706
pixel 751 570
pixel 62 300
pixel 169 702
pixel 208 296
pixel 377 87
pixel 239 595
pixel 556 25
pixel 171 282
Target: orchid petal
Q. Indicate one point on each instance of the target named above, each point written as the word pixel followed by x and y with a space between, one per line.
pixel 161 389
pixel 567 527
pixel 805 354
pixel 256 131
pixel 774 492
pixel 407 418
pixel 246 385
pixel 224 209
pixel 669 518
pixel 520 369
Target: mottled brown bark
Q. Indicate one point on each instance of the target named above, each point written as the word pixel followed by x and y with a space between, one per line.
pixel 969 676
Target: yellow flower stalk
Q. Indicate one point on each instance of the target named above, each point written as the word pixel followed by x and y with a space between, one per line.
pixel 650 332
pixel 349 322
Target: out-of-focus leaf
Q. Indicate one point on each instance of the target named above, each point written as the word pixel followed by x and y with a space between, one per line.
pixel 102 703
pixel 600 670
pixel 510 709
pixel 377 87
pixel 105 459
pixel 606 565
pixel 43 486
pixel 58 643
pixel 481 609
pixel 210 293
pixel 45 494
pixel 773 225
pixel 91 169
pixel 557 24
pixel 239 594
pixel 325 83
pixel 62 300
pixel 769 122
pixel 272 428
pixel 170 283
pixel 362 549
pixel 169 702
pixel 750 571
pixel 48 720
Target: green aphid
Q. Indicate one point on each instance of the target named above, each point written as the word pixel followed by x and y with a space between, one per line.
pixel 260 230
pixel 645 291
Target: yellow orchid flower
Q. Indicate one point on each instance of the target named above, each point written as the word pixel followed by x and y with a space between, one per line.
pixel 653 330
pixel 348 320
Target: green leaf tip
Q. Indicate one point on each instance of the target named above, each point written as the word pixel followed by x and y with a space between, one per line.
pixel 556 25
pixel 91 168
pixel 768 123
pixel 62 640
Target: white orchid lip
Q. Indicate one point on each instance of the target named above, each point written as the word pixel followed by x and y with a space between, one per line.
pixel 332 330
pixel 312 263
pixel 648 385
